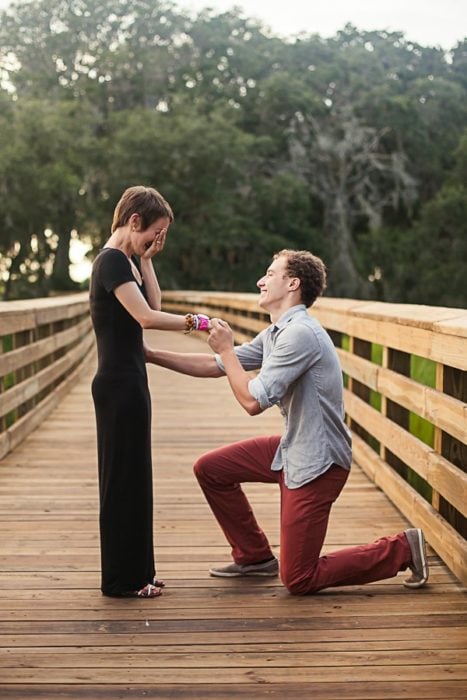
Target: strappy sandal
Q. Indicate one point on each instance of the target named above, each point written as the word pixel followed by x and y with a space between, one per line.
pixel 148 591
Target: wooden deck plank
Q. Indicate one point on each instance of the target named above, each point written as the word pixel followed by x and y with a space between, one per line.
pixel 219 658
pixel 204 638
pixel 231 674
pixel 372 690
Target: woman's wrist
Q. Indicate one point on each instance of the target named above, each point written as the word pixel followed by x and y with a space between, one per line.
pixel 197 322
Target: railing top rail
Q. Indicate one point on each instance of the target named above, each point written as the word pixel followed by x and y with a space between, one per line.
pixel 442 319
pixel 452 321
pixel 25 314
pixel 19 305
pixel 436 318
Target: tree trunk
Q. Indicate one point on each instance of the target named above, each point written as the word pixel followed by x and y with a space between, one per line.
pixel 61 280
pixel 8 292
pixel 344 280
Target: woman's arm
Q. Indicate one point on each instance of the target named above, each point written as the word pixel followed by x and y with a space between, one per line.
pixel 194 364
pixel 151 284
pixel 148 272
pixel 134 302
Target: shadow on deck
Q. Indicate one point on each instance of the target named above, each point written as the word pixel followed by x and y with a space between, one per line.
pixel 204 638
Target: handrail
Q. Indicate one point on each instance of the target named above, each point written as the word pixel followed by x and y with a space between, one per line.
pixel 43 344
pixel 405 399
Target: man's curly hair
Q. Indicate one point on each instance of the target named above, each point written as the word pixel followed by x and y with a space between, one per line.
pixel 309 269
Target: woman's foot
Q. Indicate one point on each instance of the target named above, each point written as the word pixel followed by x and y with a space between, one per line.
pixel 150 590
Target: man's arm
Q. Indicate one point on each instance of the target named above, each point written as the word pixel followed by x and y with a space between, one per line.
pixel 194 364
pixel 221 340
pixel 239 381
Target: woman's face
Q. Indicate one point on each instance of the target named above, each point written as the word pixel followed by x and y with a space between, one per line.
pixel 150 241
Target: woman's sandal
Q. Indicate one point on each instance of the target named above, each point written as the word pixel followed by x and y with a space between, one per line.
pixel 150 590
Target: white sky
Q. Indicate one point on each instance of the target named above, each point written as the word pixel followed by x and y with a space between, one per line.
pixel 428 22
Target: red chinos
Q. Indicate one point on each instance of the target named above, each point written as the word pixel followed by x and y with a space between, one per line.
pixel 304 519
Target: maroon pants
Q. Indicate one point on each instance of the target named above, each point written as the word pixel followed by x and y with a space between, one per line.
pixel 304 519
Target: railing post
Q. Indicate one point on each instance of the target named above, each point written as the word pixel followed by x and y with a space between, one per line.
pixel 361 348
pixel 438 433
pixel 454 383
pixel 398 362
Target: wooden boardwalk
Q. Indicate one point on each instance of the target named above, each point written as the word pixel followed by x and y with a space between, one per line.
pixel 205 637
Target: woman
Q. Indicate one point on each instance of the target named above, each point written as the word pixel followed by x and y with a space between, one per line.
pixel 125 298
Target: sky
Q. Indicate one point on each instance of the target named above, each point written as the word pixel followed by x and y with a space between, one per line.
pixel 428 22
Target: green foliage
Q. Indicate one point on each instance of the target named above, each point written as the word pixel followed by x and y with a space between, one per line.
pixel 441 241
pixel 345 146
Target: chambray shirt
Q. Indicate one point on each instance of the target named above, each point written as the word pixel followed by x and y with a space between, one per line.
pixel 300 372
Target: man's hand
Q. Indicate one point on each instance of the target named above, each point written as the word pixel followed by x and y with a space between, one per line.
pixel 220 336
pixel 156 246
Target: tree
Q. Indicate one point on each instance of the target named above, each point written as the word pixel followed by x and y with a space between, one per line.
pixel 425 264
pixel 43 174
pixel 256 141
pixel 440 272
pixel 354 178
pixel 205 166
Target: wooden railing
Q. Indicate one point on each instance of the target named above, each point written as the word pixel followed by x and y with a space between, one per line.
pixel 405 398
pixel 43 343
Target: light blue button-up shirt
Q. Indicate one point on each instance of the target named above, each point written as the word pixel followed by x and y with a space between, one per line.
pixel 300 372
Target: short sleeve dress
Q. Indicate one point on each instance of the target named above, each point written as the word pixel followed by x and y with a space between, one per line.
pixel 123 417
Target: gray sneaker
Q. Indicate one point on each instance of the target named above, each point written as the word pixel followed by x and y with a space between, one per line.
pixel 266 568
pixel 419 564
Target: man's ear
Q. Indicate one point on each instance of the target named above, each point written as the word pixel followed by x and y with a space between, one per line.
pixel 294 284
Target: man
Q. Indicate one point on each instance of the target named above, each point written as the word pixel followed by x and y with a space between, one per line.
pixel 300 372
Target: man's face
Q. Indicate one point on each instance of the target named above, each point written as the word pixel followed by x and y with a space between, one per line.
pixel 274 286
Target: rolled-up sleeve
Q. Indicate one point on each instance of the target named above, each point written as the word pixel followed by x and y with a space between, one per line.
pixel 250 354
pixel 295 350
pixel 258 392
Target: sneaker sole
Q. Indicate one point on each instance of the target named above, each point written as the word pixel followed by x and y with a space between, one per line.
pixel 221 574
pixel 422 552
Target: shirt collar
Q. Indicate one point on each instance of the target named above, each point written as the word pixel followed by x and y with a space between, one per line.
pixel 288 315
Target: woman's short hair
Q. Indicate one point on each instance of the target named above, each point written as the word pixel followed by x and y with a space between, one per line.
pixel 147 202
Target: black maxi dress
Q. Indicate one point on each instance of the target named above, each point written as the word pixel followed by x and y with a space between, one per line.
pixel 123 417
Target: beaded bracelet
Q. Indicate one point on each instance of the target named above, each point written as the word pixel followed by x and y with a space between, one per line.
pixel 189 323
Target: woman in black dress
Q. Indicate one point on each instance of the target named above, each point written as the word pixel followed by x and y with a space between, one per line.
pixel 125 298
